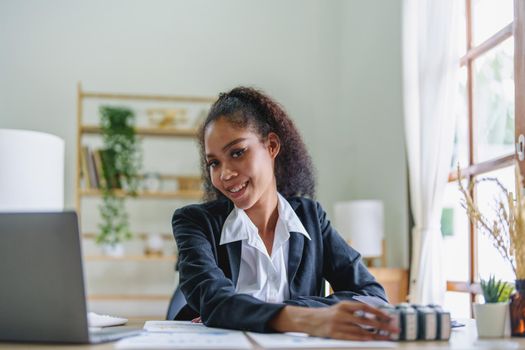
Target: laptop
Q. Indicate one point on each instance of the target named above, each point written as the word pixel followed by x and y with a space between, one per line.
pixel 42 296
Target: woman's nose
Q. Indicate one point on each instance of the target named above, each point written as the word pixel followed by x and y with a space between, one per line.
pixel 227 174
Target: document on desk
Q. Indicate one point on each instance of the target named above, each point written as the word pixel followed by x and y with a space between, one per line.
pixel 302 341
pixel 176 327
pixel 185 335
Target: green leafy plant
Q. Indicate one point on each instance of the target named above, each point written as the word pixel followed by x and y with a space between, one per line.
pixel 121 163
pixel 496 291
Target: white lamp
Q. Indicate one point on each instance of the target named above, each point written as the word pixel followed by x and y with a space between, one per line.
pixel 362 223
pixel 31 171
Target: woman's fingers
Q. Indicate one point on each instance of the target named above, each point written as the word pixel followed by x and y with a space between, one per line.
pixel 357 306
pixel 355 332
pixel 365 315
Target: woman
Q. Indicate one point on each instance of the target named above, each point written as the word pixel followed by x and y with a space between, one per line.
pixel 255 256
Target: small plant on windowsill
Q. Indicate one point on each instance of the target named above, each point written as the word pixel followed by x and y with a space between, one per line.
pixel 121 159
pixel 492 315
pixel 496 291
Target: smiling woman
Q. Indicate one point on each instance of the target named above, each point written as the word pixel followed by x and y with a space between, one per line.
pixel 256 255
pixel 248 109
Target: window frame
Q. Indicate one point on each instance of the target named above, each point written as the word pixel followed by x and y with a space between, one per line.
pixel 517 30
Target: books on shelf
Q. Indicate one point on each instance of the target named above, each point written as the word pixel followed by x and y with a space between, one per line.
pixel 97 158
pixel 96 169
pixel 88 171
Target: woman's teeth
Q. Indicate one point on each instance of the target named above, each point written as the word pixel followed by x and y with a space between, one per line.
pixel 238 188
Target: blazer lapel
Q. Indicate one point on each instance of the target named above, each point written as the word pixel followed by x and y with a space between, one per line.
pixel 295 255
pixel 234 257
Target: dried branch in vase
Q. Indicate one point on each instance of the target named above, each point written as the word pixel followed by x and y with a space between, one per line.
pixel 507 229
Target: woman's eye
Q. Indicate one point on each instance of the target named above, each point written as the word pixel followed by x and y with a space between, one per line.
pixel 237 153
pixel 212 164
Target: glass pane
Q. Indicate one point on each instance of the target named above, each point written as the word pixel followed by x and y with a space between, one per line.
pixel 489 195
pixel 490 16
pixel 494 102
pixel 455 231
pixel 458 304
pixel 460 150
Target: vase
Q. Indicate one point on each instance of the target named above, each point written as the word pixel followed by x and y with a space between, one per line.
pixel 115 250
pixel 517 310
pixel 490 319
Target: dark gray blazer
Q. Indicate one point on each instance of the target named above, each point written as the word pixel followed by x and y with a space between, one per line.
pixel 209 271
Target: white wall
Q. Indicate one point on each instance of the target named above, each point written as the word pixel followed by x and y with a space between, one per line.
pixel 371 105
pixel 334 65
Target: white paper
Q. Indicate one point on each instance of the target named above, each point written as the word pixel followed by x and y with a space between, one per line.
pixel 217 339
pixel 303 341
pixel 177 327
pixel 31 171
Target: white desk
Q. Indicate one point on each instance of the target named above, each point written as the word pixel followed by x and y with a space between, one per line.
pixel 462 338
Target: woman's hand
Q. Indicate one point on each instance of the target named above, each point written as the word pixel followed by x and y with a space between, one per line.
pixel 344 320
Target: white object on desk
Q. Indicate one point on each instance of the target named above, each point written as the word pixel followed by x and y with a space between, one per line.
pixel 289 341
pixel 176 327
pixel 32 175
pixel 96 320
pixel 185 335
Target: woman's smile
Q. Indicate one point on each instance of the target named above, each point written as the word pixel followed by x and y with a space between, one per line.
pixel 237 190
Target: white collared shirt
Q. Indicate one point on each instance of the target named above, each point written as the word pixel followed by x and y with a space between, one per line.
pixel 263 276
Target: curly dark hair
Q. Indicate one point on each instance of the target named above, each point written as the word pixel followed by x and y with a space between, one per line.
pixel 248 107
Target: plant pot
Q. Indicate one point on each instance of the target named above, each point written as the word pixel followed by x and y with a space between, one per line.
pixel 491 319
pixel 114 250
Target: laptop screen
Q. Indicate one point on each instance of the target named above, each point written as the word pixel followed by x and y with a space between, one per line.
pixel 42 290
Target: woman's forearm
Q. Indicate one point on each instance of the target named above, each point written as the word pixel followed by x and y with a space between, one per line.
pixel 291 319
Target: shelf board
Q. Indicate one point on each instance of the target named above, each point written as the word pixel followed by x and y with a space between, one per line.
pixel 147 131
pixel 171 258
pixel 166 98
pixel 140 235
pixel 148 194
pixel 141 297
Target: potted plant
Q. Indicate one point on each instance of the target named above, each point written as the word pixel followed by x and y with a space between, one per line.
pixel 491 316
pixel 121 162
pixel 507 233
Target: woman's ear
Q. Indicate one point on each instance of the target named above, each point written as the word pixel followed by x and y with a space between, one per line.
pixel 273 143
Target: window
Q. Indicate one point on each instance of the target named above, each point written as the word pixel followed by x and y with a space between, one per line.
pixel 491 113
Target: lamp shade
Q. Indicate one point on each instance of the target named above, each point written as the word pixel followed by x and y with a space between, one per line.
pixel 361 222
pixel 31 171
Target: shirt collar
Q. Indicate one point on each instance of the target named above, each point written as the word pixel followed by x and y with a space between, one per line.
pixel 238 225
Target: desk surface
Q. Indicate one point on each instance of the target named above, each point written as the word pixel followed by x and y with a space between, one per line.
pixel 462 338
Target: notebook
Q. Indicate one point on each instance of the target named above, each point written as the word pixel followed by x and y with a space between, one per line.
pixel 42 296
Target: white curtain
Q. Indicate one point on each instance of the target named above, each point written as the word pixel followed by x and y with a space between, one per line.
pixel 430 67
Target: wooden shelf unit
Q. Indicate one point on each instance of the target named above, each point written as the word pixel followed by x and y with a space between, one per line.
pixel 184 193
pixel 85 129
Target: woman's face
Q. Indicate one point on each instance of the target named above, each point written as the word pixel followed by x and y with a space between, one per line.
pixel 241 166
